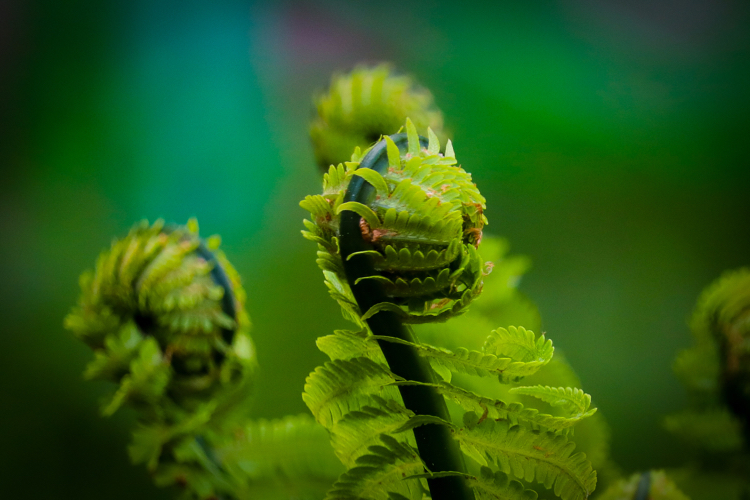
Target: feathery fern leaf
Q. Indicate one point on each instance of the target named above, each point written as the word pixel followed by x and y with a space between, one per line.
pixel 345 344
pixel 499 486
pixel 279 459
pixel 573 401
pixel 472 362
pixel 360 429
pixel 518 344
pixel 496 409
pixel 341 386
pixel 381 474
pixel 543 457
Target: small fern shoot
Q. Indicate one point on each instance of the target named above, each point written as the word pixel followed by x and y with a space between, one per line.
pixel 164 313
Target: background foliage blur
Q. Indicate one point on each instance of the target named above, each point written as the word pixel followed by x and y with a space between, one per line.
pixel 609 138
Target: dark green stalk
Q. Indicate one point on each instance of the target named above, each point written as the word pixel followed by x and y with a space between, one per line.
pixel 644 487
pixel 439 451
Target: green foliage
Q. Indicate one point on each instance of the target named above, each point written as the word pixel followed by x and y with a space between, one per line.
pixel 164 313
pixel 519 363
pixel 380 474
pixel 574 402
pixel 279 459
pixel 364 104
pixel 424 223
pixel 341 386
pixel 544 457
pixel 499 486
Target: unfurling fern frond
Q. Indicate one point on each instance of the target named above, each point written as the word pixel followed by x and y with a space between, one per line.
pixel 365 104
pixel 422 227
pixel 164 313
pixel 397 230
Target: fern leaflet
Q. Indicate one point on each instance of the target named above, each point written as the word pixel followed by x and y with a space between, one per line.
pixel 380 475
pixel 499 486
pixel 477 363
pixel 497 409
pixel 358 430
pixel 279 459
pixel 543 457
pixel 341 386
pixel 573 401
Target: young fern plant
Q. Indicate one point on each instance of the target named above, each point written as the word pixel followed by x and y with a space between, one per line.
pixel 164 313
pixel 398 229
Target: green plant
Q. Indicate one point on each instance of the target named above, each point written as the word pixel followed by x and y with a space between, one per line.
pixel 398 230
pixel 164 313
pixel 402 402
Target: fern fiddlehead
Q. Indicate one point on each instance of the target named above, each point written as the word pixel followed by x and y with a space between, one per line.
pixel 393 253
pixel 425 266
pixel 164 313
pixel 364 104
pixel 437 449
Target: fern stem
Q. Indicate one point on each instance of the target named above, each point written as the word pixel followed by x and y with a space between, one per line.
pixel 439 451
pixel 644 487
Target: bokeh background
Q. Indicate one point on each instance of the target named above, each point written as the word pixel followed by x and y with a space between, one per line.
pixel 609 138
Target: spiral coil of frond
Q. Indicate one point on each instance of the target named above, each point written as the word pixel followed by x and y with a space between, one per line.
pixel 424 223
pixel 164 313
pixel 365 104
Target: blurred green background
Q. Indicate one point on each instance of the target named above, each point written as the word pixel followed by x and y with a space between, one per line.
pixel 609 138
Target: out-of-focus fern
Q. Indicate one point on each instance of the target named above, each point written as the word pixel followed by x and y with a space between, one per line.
pixel 715 370
pixel 164 313
pixel 422 226
pixel 364 104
